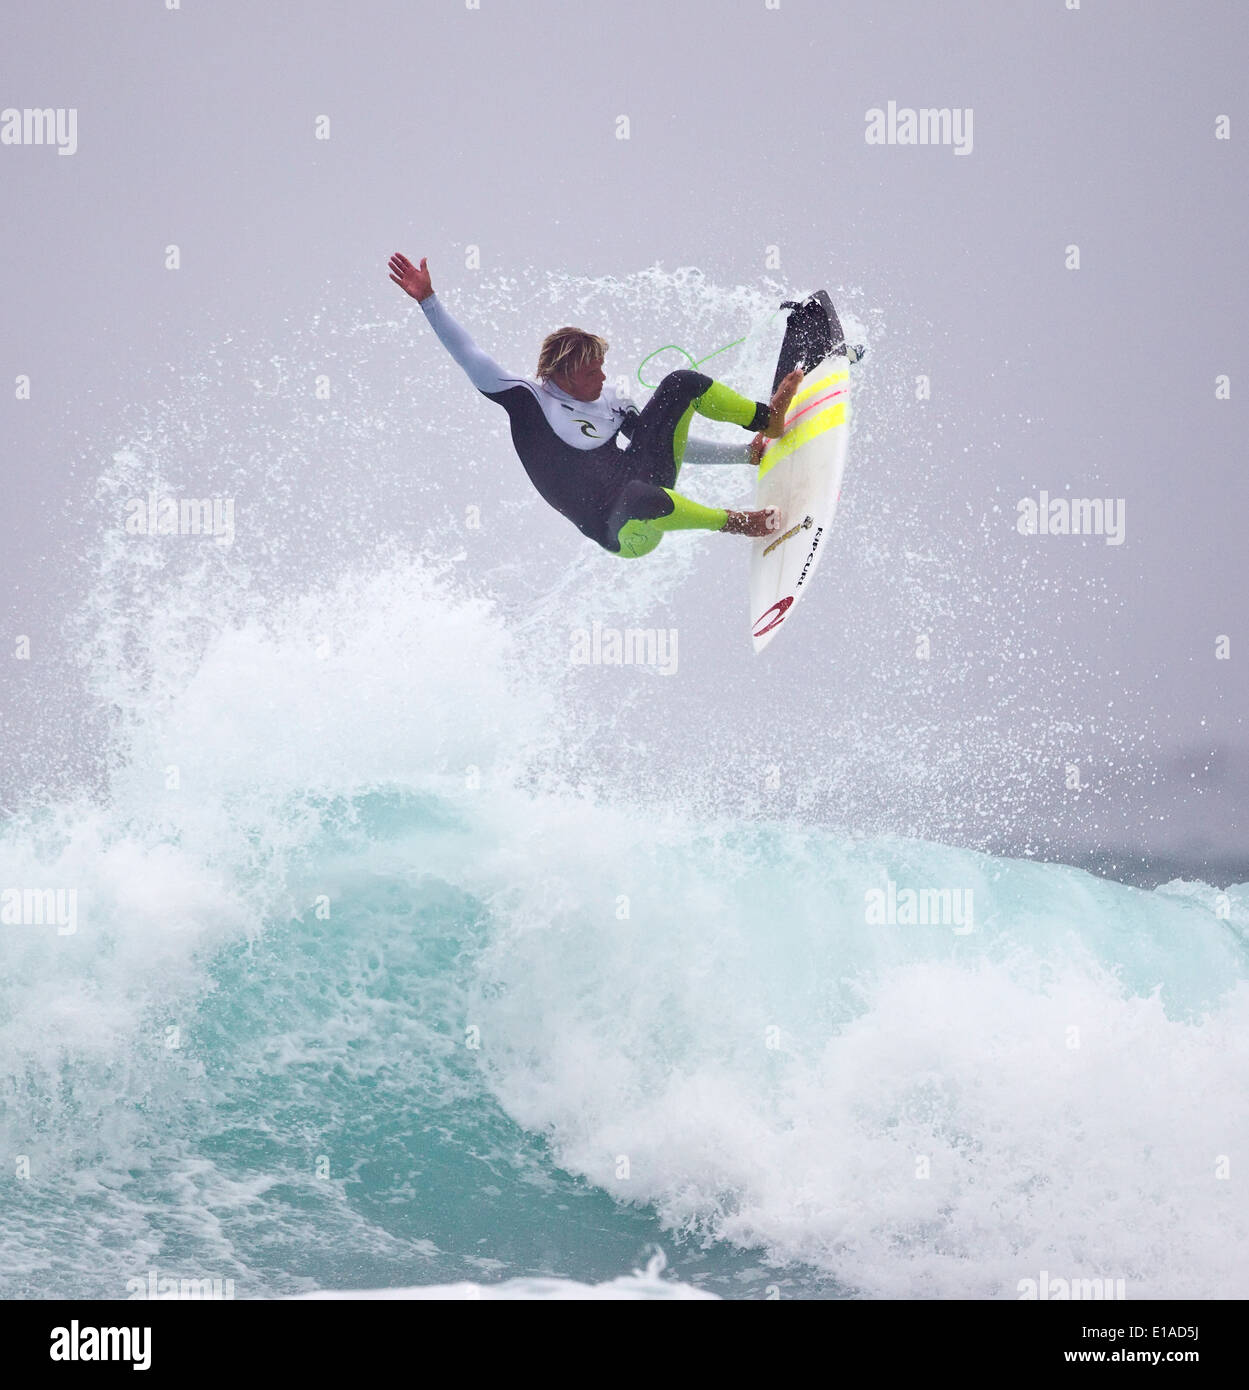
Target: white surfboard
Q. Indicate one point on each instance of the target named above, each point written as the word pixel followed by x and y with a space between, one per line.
pixel 801 474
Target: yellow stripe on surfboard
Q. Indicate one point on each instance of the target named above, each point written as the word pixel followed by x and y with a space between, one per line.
pixel 826 419
pixel 806 392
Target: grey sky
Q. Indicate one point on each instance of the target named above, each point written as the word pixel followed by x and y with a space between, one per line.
pixel 498 128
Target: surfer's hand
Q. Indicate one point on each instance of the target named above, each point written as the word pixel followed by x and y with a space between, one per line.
pixel 755 453
pixel 413 280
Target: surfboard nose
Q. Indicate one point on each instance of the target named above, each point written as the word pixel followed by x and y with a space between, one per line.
pixel 812 333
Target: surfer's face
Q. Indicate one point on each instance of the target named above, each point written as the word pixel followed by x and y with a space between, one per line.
pixel 584 383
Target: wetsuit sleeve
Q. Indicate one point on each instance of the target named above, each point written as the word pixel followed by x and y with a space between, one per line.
pixel 707 451
pixel 483 371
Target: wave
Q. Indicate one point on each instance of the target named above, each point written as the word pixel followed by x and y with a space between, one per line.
pixel 406 951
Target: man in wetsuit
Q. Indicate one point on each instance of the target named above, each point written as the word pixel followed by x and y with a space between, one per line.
pixel 564 427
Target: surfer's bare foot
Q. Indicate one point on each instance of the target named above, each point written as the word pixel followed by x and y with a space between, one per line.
pixel 760 523
pixel 779 404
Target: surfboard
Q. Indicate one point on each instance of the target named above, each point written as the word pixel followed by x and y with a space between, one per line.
pixel 801 471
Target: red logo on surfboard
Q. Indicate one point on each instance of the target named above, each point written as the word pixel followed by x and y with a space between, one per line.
pixel 777 615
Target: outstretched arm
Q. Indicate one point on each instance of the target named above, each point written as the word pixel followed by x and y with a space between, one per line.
pixel 482 370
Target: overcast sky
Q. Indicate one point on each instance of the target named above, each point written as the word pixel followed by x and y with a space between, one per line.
pixel 499 127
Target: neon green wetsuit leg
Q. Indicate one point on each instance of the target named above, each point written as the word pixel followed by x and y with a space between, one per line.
pixel 717 402
pixel 648 506
pixel 640 537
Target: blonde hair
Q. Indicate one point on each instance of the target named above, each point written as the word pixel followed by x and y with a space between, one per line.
pixel 568 350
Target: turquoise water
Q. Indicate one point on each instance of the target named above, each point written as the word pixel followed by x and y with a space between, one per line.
pixel 440 1080
pixel 407 954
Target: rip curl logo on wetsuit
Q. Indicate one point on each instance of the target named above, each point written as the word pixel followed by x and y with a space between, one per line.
pixel 587 427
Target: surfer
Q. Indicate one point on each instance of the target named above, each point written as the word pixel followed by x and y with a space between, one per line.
pixel 564 428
